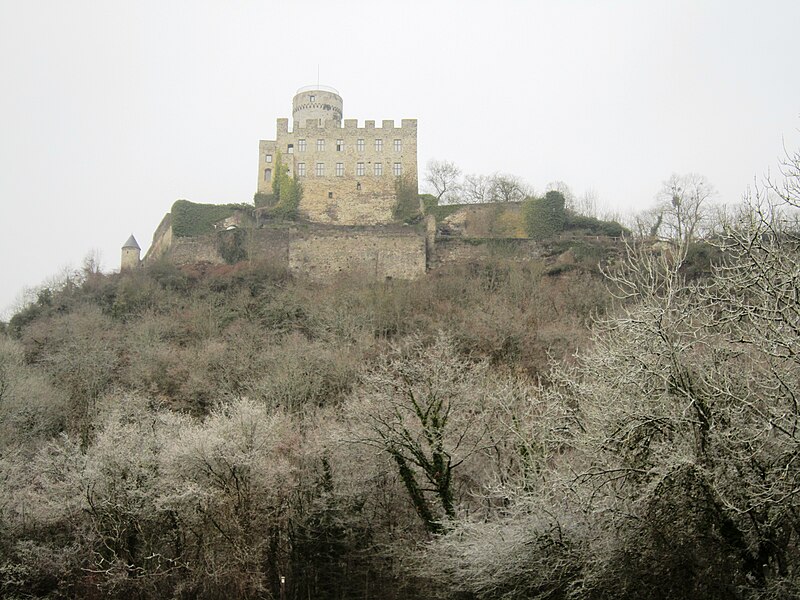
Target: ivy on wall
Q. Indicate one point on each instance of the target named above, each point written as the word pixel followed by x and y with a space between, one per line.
pixel 545 217
pixel 192 219
pixel 407 209
pixel 286 192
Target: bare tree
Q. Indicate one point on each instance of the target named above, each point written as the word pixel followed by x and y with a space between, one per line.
pixel 424 407
pixel 508 188
pixel 477 189
pixel 588 204
pixel 683 202
pixel 442 176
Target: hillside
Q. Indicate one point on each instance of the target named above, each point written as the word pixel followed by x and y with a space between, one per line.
pixel 495 428
pixel 109 366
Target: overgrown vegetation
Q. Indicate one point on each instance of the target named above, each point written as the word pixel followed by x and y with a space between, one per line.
pixel 286 192
pixel 192 219
pixel 545 217
pixel 407 208
pixel 587 225
pixel 231 245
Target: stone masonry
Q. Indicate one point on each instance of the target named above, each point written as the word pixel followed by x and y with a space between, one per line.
pixel 349 174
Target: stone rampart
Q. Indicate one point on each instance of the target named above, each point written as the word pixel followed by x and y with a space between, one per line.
pixel 450 251
pixel 308 250
pixel 321 253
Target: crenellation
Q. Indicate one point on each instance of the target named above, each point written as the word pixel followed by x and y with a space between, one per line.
pixel 349 174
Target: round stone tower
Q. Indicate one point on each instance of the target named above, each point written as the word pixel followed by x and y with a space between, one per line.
pixel 318 102
pixel 130 255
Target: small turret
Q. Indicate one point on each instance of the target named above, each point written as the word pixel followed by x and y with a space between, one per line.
pixel 130 255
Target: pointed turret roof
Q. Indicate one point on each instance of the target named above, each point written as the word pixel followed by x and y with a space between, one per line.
pixel 131 243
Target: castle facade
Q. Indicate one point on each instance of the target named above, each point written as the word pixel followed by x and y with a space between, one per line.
pixel 350 175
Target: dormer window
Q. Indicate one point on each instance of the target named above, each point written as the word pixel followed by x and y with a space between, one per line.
pixel 312 98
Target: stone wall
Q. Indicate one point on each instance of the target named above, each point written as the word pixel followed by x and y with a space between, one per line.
pixel 162 239
pixel 308 250
pixel 450 251
pixel 187 250
pixel 324 253
pixel 495 220
pixel 360 167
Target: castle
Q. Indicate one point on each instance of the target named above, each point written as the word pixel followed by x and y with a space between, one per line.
pixel 349 174
pixel 352 180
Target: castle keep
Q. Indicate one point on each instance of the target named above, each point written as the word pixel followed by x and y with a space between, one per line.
pixel 350 175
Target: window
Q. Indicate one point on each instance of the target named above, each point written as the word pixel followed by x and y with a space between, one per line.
pixel 330 194
pixel 378 169
pixel 312 98
pixel 397 169
pixel 269 157
pixel 339 169
pixel 339 145
pixel 320 170
pixel 290 148
pixel 398 145
pixel 360 169
pixel 358 186
pixel 301 145
pixel 267 174
pixel 360 145
pixel 378 145
pixel 301 169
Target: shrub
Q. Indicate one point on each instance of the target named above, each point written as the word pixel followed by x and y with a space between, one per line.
pixel 544 217
pixel 231 246
pixel 407 208
pixel 593 225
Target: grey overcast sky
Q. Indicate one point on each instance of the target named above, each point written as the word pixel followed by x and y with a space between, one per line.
pixel 110 111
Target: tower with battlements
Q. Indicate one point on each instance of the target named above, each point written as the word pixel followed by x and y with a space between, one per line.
pixel 350 175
